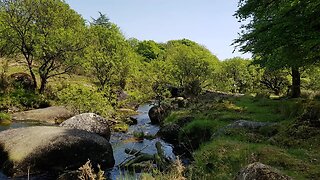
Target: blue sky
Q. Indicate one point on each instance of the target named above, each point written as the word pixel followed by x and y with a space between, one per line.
pixel 208 22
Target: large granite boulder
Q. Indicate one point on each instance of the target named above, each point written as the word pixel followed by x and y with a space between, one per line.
pixel 259 171
pixel 53 115
pixel 89 122
pixel 42 149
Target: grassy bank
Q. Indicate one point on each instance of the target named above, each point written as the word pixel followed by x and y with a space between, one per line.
pixel 291 144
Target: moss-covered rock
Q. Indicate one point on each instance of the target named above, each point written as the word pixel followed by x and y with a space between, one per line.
pixel 51 149
pixel 259 171
pixel 157 114
pixel 170 133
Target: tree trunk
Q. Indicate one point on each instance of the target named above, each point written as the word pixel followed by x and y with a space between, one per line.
pixel 33 78
pixel 43 85
pixel 296 91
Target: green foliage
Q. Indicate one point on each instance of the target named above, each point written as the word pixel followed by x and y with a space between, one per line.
pixel 109 57
pixel 47 33
pixel 271 34
pixel 191 65
pixel 29 99
pixel 149 50
pixel 85 99
pixel 275 81
pixel 4 84
pixel 238 75
pixel 22 99
pixel 190 135
pixel 139 134
pixel 4 117
pixel 312 78
pixel 122 127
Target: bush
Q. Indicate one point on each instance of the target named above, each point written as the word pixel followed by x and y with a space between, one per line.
pixel 22 99
pixel 196 132
pixel 4 117
pixel 29 99
pixel 84 99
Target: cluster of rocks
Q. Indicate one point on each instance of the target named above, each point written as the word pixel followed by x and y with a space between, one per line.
pixel 52 149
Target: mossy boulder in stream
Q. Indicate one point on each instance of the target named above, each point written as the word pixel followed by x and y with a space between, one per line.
pixel 42 149
pixel 157 114
pixel 89 122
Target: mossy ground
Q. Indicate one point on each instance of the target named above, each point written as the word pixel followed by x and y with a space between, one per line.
pixel 291 148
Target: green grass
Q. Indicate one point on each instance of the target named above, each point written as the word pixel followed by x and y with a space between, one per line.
pixel 5 119
pixel 289 146
pixel 16 67
pixel 224 157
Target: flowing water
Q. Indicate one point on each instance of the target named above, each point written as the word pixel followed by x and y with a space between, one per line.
pixel 121 141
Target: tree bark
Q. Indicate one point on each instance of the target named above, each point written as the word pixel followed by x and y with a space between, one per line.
pixel 296 83
pixel 33 78
pixel 43 85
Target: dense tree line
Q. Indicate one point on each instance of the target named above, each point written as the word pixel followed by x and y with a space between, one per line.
pixel 54 40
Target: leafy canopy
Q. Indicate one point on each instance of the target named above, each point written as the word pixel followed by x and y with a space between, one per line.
pixel 282 33
pixel 46 32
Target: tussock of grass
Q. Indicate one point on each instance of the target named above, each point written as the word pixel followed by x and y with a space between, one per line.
pixel 121 127
pixel 87 172
pixel 174 116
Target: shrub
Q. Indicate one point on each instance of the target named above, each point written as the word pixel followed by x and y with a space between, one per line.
pixel 138 134
pixel 29 99
pixel 4 117
pixel 22 99
pixel 190 135
pixel 84 99
pixel 121 127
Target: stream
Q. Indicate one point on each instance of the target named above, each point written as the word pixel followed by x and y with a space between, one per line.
pixel 121 141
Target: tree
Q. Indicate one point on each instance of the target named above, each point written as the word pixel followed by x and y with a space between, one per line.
pixel 192 65
pixel 109 56
pixel 281 34
pixel 275 81
pixel 239 75
pixel 150 50
pixel 46 32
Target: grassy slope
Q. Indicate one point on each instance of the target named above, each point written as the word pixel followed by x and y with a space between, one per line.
pixel 20 66
pixel 224 156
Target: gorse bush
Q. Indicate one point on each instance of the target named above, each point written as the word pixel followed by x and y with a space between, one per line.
pixel 83 99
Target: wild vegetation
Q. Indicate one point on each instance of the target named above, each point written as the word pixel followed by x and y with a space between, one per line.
pixel 50 55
